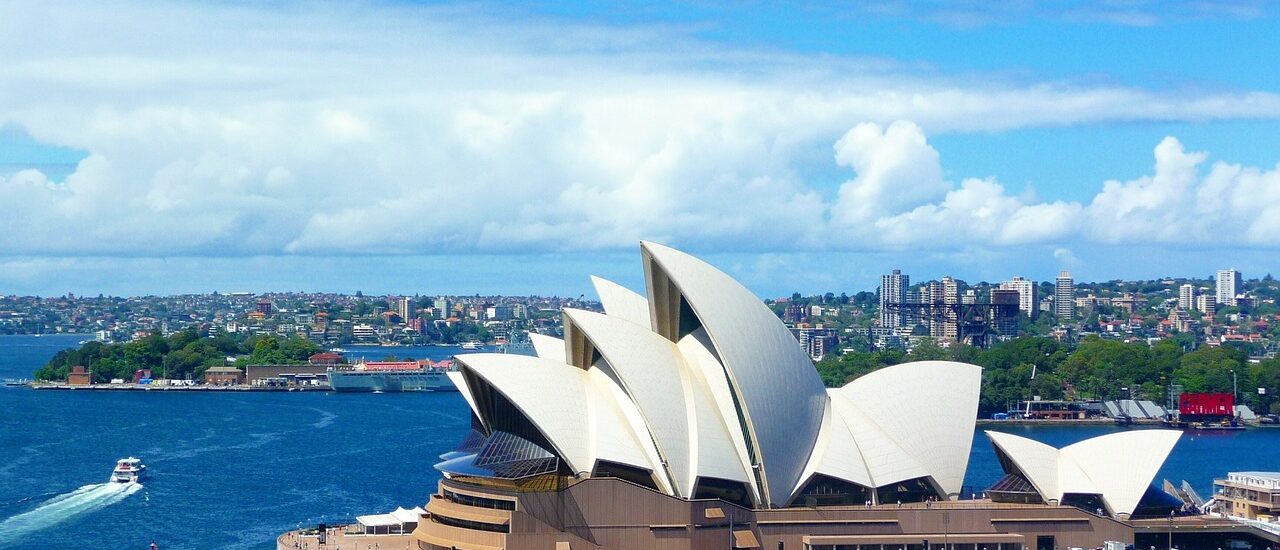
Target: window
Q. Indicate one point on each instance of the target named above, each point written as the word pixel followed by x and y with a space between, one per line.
pixel 472 525
pixel 479 502
pixel 723 489
pixel 828 491
pixel 911 490
pixel 635 475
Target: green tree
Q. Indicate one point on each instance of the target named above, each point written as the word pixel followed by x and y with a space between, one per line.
pixel 1265 375
pixel 1208 369
pixel 928 350
pixel 838 371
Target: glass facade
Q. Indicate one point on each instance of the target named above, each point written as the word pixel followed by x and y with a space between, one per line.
pixel 480 502
pixel 723 489
pixel 911 490
pixel 828 491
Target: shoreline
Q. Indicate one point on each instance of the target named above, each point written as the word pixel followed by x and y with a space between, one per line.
pixel 198 388
pixel 1065 422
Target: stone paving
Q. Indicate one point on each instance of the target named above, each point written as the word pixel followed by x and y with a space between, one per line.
pixel 337 538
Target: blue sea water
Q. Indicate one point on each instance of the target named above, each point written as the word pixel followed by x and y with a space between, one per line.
pixel 233 470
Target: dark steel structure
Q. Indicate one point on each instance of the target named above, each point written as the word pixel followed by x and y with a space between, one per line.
pixel 976 324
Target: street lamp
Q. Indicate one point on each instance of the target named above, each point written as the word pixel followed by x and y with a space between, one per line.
pixel 1233 385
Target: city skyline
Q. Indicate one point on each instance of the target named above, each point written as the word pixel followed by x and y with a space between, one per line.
pixel 931 285
pixel 152 149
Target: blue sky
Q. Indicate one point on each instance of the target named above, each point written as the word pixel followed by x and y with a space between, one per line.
pixel 484 147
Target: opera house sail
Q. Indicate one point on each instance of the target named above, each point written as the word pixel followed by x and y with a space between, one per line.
pixel 689 417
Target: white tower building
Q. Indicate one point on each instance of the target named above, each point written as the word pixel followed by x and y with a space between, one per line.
pixel 1229 283
pixel 1187 297
pixel 1064 296
pixel 1028 302
pixel 893 289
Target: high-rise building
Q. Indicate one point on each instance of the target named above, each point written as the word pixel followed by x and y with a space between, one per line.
pixel 941 320
pixel 893 289
pixel 443 307
pixel 502 312
pixel 818 341
pixel 1229 284
pixel 793 313
pixel 931 293
pixel 1028 302
pixel 1187 297
pixel 1207 304
pixel 1064 296
pixel 951 296
pixel 1003 319
pixel 403 307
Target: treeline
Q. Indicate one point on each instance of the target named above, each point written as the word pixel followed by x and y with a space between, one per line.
pixel 181 355
pixel 1097 368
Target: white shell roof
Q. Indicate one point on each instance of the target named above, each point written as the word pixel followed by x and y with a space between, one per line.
pixel 547 347
pixel 649 369
pixel 460 382
pixel 938 433
pixel 696 407
pixel 777 387
pixel 720 450
pixel 1118 466
pixel 573 408
pixel 622 302
pixel 1037 462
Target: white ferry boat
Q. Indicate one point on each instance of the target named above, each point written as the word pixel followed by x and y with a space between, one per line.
pixel 128 470
pixel 399 376
pixel 472 345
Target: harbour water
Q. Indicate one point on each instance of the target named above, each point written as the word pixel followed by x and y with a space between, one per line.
pixel 233 470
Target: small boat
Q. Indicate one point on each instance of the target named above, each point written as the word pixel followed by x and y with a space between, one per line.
pixel 471 345
pixel 128 470
pixel 11 382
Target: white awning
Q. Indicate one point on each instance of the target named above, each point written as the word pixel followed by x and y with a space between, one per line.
pixel 378 520
pixel 408 516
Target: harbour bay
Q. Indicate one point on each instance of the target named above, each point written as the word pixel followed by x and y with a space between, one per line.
pixel 234 470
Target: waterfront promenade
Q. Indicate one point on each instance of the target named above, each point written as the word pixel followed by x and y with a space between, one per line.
pixel 159 387
pixel 337 538
pixel 1100 421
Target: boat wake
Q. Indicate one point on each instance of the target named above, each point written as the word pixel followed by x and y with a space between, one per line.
pixel 63 507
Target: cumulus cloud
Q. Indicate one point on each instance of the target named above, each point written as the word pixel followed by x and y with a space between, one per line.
pixel 899 197
pixel 1231 205
pixel 896 169
pixel 309 129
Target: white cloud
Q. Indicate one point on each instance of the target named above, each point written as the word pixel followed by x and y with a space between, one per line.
pixel 243 130
pixel 896 169
pixel 1230 206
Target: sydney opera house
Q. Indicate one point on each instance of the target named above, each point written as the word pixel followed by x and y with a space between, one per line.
pixel 689 417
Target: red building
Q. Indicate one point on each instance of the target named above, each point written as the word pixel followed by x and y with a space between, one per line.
pixel 79 376
pixel 326 358
pixel 1206 406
